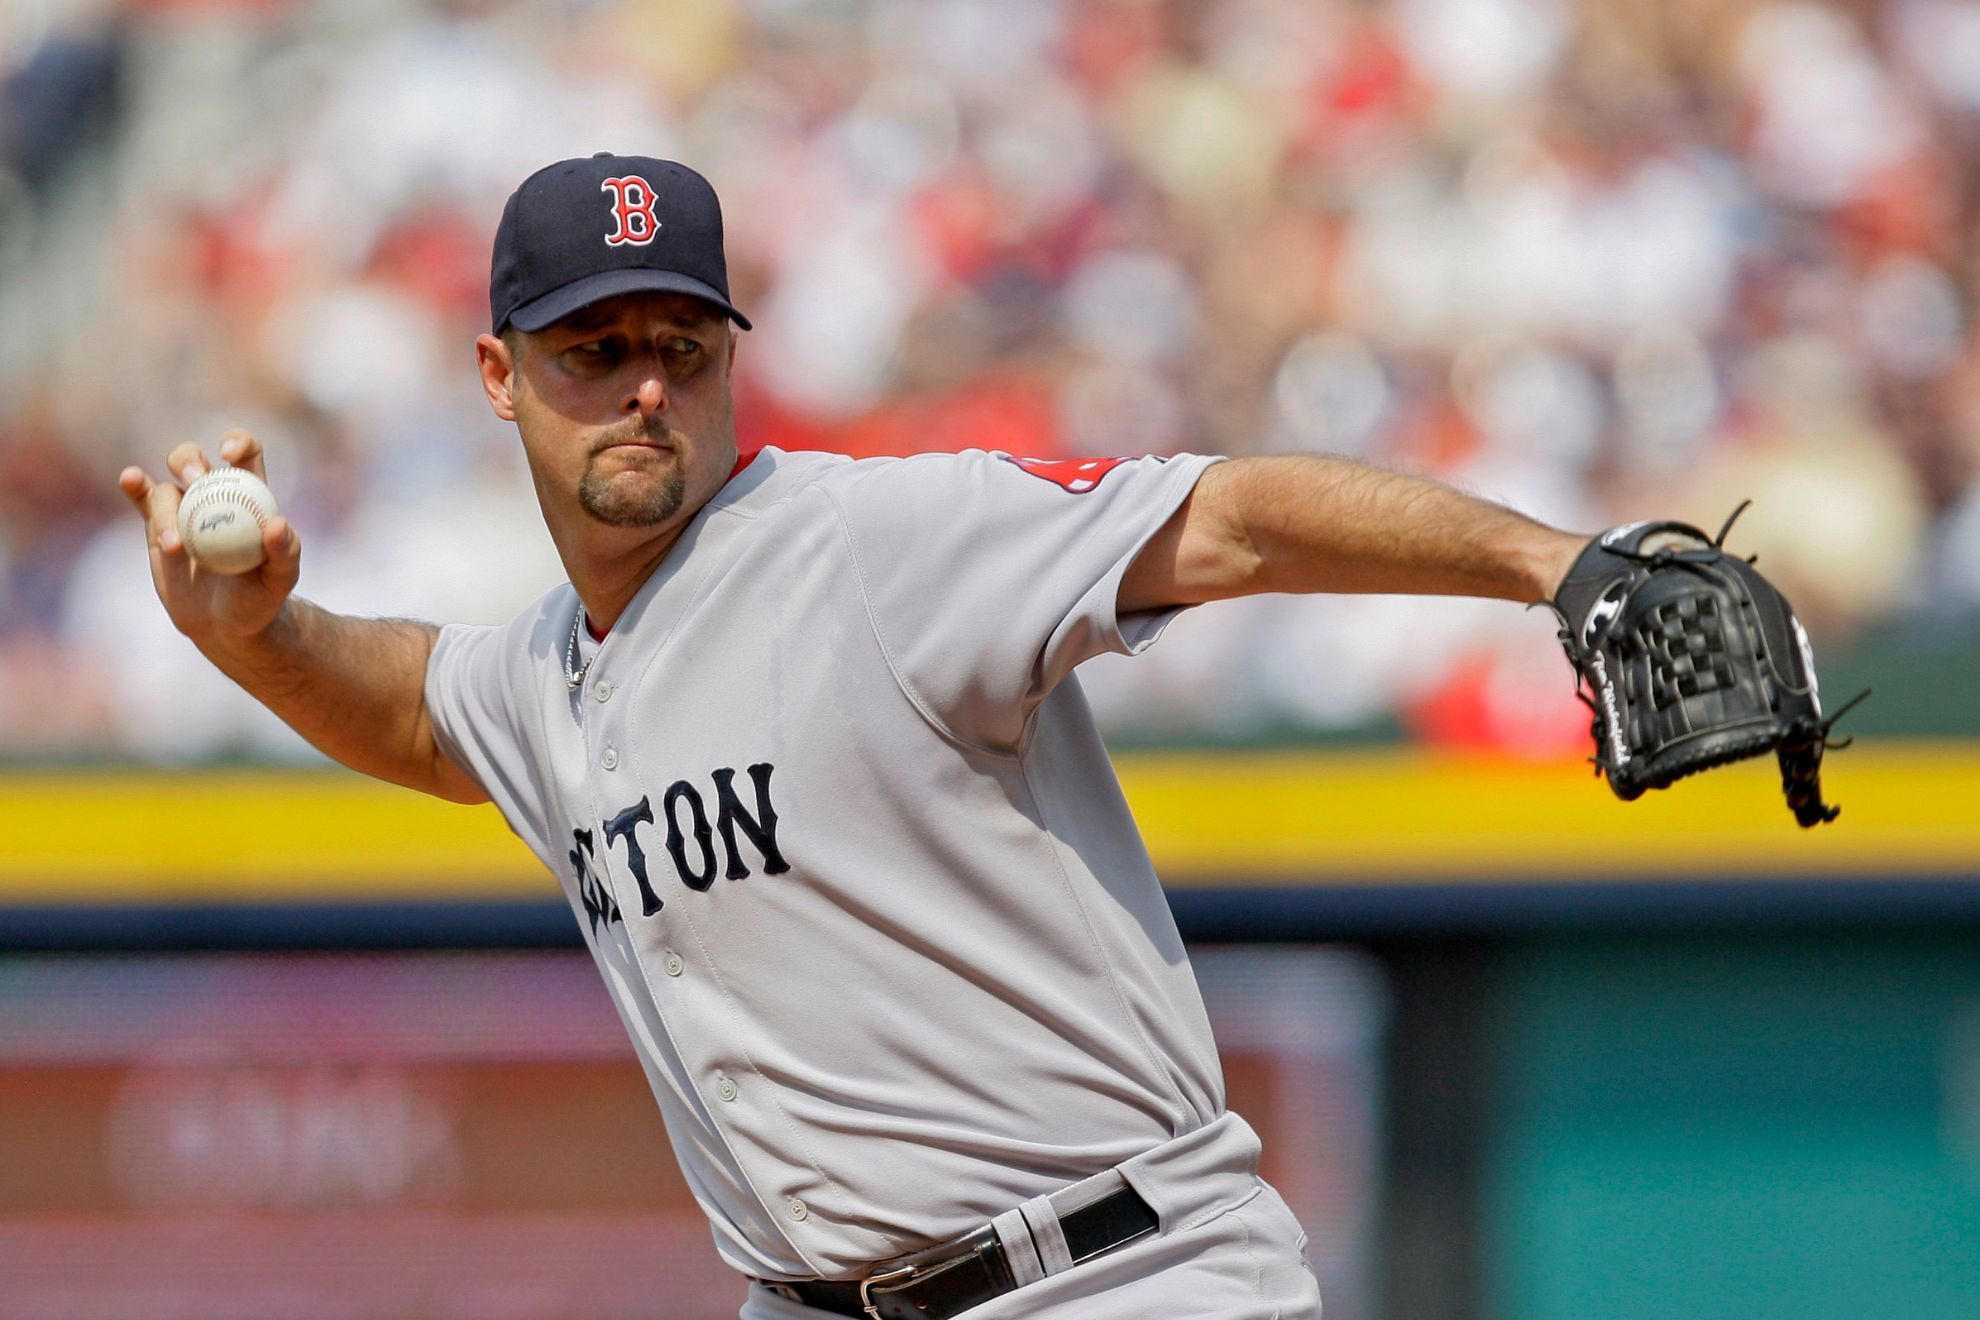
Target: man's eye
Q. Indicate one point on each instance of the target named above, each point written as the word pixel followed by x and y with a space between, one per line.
pixel 594 354
pixel 683 347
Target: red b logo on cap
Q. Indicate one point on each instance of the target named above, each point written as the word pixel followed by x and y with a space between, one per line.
pixel 632 208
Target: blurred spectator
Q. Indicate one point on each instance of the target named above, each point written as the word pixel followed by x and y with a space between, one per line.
pixel 1600 260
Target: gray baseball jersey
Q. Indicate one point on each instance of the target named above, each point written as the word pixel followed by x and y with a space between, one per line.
pixel 848 850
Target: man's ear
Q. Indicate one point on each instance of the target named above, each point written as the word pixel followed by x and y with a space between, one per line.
pixel 498 375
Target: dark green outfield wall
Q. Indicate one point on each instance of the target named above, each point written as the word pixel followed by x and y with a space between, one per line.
pixel 1738 1126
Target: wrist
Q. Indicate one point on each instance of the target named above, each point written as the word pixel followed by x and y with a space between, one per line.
pixel 1548 561
pixel 237 646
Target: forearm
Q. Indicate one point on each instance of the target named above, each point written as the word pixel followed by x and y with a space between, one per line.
pixel 355 688
pixel 1307 524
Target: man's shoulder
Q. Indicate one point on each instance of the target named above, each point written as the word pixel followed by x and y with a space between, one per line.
pixel 953 488
pixel 807 482
pixel 890 477
pixel 771 476
pixel 970 482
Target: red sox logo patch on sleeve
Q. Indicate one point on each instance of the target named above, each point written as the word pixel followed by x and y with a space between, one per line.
pixel 1077 475
pixel 632 210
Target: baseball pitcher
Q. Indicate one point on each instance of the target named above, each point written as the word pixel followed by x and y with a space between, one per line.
pixel 802 741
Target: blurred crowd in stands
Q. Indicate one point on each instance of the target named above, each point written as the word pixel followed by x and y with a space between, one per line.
pixel 1601 259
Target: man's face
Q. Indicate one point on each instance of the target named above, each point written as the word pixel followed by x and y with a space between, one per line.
pixel 625 411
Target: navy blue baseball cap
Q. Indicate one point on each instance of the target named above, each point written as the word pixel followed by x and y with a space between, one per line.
pixel 592 228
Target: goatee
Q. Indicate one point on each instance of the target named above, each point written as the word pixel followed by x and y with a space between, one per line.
pixel 623 505
pixel 618 503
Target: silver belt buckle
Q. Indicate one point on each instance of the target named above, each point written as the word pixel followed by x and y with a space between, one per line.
pixel 932 1260
pixel 865 1285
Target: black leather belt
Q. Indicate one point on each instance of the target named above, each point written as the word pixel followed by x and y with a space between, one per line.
pixel 948 1280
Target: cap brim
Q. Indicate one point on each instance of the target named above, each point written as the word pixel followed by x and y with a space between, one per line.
pixel 558 303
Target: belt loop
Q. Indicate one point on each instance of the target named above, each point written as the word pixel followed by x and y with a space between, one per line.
pixel 1020 1252
pixel 1048 1234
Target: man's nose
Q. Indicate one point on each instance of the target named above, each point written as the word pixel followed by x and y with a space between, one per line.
pixel 648 395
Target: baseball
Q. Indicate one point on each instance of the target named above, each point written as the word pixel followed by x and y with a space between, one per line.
pixel 221 517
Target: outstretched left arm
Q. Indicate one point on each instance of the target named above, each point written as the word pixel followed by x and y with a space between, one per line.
pixel 1307 524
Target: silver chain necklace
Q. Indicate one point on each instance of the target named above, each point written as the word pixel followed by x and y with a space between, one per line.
pixel 573 672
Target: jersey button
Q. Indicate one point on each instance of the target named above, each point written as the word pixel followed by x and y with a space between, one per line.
pixel 725 1088
pixel 673 963
pixel 611 758
pixel 602 689
pixel 798 1210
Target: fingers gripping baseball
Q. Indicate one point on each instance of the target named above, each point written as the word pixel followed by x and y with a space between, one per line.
pixel 204 604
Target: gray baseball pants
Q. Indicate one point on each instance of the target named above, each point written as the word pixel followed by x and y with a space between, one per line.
pixel 1230 1249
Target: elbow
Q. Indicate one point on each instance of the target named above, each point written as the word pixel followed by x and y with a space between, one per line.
pixel 450 785
pixel 1225 561
pixel 1204 552
pixel 446 780
pixel 1231 566
pixel 438 773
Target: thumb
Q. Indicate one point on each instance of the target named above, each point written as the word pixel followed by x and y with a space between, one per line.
pixel 283 548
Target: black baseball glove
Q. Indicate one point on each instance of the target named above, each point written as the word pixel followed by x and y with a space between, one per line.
pixel 1690 659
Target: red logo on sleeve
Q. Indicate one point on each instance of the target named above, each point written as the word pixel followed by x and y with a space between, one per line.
pixel 632 207
pixel 1077 475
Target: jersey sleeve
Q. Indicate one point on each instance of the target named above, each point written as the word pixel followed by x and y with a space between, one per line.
pixel 469 703
pixel 987 578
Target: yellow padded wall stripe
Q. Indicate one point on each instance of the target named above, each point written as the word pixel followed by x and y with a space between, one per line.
pixel 1294 818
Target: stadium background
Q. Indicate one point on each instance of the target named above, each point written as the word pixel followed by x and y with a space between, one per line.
pixel 274 1042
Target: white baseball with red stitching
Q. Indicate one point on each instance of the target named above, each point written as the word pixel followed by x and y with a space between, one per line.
pixel 221 517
